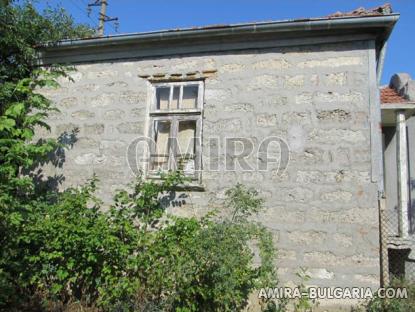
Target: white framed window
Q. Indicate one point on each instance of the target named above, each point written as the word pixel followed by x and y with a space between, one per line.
pixel 175 128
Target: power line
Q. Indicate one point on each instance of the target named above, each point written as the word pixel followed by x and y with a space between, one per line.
pixel 102 17
pixel 113 28
pixel 82 11
pixel 89 12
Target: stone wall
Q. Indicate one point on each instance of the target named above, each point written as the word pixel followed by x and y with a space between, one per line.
pixel 322 210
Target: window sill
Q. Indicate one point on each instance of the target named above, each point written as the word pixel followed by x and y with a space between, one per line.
pixel 192 186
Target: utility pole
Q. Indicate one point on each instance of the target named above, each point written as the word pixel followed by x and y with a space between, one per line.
pixel 103 18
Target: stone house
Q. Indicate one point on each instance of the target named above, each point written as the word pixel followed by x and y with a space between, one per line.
pixel 308 88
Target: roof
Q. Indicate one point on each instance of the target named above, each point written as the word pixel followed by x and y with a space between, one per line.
pixel 389 95
pixel 391 101
pixel 385 9
pixel 360 24
pixel 380 10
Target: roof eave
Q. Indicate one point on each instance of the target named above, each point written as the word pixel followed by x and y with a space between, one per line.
pixel 385 22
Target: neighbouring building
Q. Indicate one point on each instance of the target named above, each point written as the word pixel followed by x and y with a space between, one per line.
pixel 300 96
pixel 398 216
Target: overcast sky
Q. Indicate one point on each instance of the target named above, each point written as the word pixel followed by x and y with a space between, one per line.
pixel 138 16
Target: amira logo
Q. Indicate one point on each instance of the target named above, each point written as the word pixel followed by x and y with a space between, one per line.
pixel 219 154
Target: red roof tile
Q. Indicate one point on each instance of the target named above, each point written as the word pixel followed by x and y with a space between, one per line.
pixel 380 10
pixel 389 95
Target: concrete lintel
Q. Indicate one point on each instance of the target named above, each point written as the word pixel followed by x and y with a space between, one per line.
pixel 407 106
pixel 389 112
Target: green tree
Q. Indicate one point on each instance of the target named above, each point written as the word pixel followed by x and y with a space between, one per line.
pixel 22 28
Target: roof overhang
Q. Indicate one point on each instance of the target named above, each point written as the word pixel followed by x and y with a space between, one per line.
pixel 220 38
pixel 389 111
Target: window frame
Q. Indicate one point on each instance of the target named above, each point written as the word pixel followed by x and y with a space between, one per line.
pixel 175 116
pixel 171 85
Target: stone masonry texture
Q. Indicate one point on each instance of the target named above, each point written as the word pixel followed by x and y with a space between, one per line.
pixel 322 210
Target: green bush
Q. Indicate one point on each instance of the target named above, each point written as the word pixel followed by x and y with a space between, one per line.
pixel 207 265
pixel 378 304
pixel 69 250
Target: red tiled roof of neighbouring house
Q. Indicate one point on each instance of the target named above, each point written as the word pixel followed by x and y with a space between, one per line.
pixel 389 95
pixel 380 10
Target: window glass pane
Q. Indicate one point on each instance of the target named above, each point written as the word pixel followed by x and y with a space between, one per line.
pixel 186 145
pixel 160 157
pixel 175 100
pixel 190 94
pixel 162 95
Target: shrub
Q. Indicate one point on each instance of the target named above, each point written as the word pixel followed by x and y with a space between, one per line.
pixel 134 257
pixel 192 265
pixel 378 304
pixel 206 265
